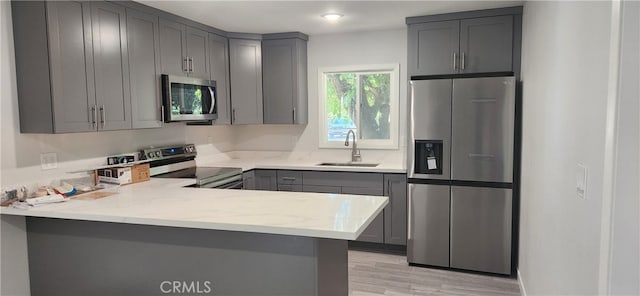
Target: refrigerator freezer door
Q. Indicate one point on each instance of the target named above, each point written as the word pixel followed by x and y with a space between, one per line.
pixel 481 229
pixel 430 112
pixel 482 134
pixel 428 228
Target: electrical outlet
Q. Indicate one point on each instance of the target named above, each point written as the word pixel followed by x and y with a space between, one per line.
pixel 581 181
pixel 49 161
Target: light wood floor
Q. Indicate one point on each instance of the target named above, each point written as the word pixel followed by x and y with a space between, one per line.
pixel 384 274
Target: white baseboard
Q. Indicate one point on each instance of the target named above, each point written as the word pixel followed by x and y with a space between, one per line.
pixel 523 292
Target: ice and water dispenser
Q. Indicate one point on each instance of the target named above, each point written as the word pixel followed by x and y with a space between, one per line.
pixel 428 157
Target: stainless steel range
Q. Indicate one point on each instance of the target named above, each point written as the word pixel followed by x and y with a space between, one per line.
pixel 179 162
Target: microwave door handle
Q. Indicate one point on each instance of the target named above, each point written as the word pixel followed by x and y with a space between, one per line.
pixel 213 99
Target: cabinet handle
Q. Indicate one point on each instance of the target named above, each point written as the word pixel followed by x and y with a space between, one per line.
pixel 462 61
pixel 288 178
pixel 185 65
pixel 294 114
pixel 93 117
pixel 455 61
pixel 190 65
pixel 162 114
pixel 103 115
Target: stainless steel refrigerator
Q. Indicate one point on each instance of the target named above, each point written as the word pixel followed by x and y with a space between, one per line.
pixel 461 153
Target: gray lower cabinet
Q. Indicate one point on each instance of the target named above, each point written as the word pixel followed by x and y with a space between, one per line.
pixel 395 214
pixel 443 45
pixel 292 188
pixel 219 65
pixel 111 66
pixel 249 180
pixel 374 233
pixel 265 180
pixel 143 41
pixel 183 50
pixel 321 189
pixel 245 67
pixel 284 74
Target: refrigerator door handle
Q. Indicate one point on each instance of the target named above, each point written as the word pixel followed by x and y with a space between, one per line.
pixel 480 155
pixel 409 210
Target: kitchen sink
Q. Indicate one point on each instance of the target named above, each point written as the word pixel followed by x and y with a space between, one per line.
pixel 350 164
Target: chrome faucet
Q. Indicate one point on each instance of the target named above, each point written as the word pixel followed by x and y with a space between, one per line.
pixel 355 152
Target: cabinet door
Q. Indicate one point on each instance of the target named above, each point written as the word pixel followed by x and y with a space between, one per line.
pixel 111 66
pixel 144 67
pixel 481 229
pixel 219 65
pixel 246 81
pixel 249 180
pixel 71 58
pixel 395 214
pixel 292 188
pixel 279 78
pixel 375 231
pixel 173 51
pixel 266 180
pixel 433 48
pixel 197 49
pixel 486 44
pixel 321 189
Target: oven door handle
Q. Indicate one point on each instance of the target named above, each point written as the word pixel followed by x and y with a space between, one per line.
pixel 213 99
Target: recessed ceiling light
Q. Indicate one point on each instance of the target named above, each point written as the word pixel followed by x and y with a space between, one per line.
pixel 332 16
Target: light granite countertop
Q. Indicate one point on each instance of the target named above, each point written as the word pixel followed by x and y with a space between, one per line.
pixel 164 202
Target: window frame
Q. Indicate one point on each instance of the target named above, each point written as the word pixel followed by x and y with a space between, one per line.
pixel 394 112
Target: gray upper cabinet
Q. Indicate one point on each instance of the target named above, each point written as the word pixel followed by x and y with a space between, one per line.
pixel 183 50
pixel 433 48
pixel 87 86
pixel 173 48
pixel 111 66
pixel 284 74
pixel 53 56
pixel 219 65
pixel 144 69
pixel 475 42
pixel 197 50
pixel 486 44
pixel 395 214
pixel 245 58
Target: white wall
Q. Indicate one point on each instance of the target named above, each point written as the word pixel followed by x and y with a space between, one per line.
pixel 565 63
pixel 625 243
pixel 360 48
pixel 20 151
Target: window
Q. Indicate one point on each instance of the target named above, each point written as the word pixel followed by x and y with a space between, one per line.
pixel 364 99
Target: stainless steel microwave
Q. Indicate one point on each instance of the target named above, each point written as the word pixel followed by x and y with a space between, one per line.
pixel 188 99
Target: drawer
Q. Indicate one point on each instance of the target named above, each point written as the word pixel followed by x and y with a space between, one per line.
pixel 290 187
pixel 344 179
pixel 289 177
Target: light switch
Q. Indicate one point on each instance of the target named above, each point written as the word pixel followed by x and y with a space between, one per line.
pixel 581 181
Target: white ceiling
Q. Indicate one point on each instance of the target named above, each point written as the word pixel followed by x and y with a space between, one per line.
pixel 304 16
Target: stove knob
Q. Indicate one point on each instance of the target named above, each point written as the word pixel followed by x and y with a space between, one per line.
pixel 157 153
pixel 150 154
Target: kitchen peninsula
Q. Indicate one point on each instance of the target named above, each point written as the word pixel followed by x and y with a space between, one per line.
pixel 222 242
